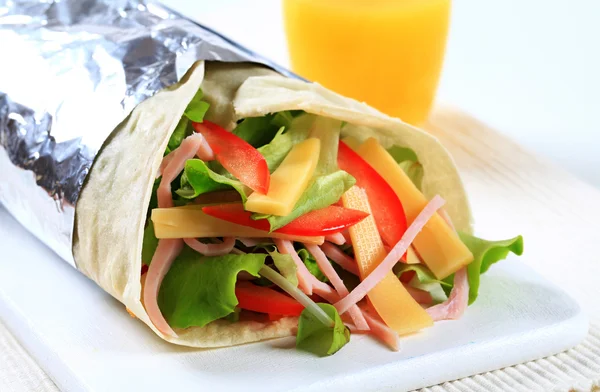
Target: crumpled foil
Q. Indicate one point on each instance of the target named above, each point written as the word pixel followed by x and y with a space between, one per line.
pixel 70 71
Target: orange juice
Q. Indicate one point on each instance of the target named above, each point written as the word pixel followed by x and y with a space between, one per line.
pixel 387 53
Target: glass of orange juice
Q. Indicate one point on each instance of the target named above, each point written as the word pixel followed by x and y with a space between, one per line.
pixel 387 53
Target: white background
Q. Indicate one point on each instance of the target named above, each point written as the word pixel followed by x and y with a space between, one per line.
pixel 529 68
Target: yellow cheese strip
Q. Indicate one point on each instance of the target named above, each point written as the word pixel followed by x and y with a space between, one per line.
pixel 288 181
pixel 411 256
pixel 191 222
pixel 438 245
pixel 391 300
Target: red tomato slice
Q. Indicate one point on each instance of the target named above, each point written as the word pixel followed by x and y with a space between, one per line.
pixel 237 156
pixel 235 213
pixel 275 317
pixel 386 207
pixel 266 300
pixel 328 220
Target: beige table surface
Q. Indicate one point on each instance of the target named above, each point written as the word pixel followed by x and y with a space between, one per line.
pixel 511 192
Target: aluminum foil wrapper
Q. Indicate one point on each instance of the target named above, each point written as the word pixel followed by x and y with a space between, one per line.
pixel 70 71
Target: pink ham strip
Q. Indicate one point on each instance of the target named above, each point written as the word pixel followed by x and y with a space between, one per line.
pixel 382 332
pixel 340 258
pixel 166 252
pixel 377 328
pixel 287 248
pixel 168 249
pixel 348 322
pixel 338 284
pixel 347 238
pixel 204 152
pixel 337 238
pixel 187 150
pixel 223 248
pixel 165 162
pixel 324 291
pixel 454 307
pixel 421 296
pixel 446 217
pixel 250 242
pixel 392 258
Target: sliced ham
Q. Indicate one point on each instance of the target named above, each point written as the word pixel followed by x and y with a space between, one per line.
pixel 251 242
pixel 166 252
pixel 164 163
pixel 304 276
pixel 446 217
pixel 340 258
pixel 168 249
pixel 324 290
pixel 382 332
pixel 346 235
pixel 338 284
pixel 337 238
pixel 376 327
pixel 203 152
pixel 421 296
pixel 392 257
pixel 187 150
pixel 454 307
pixel 223 248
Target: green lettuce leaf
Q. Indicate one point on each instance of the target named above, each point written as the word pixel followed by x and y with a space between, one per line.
pixel 197 179
pixel 285 118
pixel 485 253
pixel 327 130
pixel 424 275
pixel 408 161
pixel 149 243
pixel 196 109
pixel 278 145
pixel 199 289
pixel 328 184
pixel 182 130
pixel 317 338
pixel 276 151
pixel 286 266
pixel 401 154
pixel 259 131
pixel 311 264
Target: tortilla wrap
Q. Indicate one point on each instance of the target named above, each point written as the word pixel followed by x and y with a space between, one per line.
pixel 112 208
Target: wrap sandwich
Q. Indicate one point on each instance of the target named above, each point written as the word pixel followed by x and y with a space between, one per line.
pixel 240 205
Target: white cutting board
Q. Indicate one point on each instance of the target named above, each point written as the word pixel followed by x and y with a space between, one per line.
pixel 85 340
